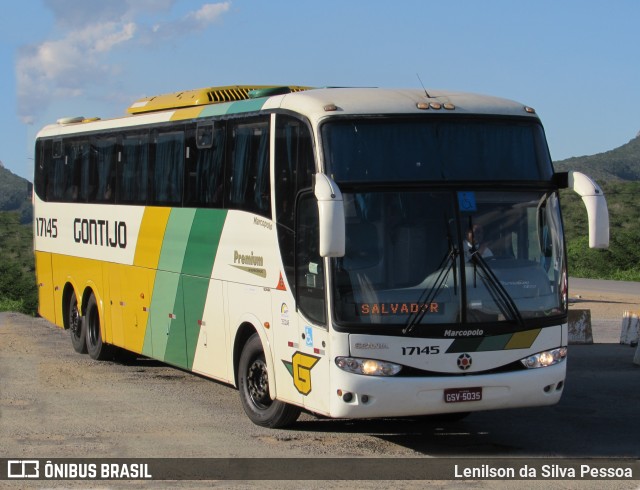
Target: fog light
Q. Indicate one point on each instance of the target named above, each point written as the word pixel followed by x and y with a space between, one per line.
pixel 369 367
pixel 545 359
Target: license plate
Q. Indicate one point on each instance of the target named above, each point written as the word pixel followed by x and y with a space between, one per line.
pixel 458 395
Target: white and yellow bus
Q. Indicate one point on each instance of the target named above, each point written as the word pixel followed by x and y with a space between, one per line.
pixel 354 252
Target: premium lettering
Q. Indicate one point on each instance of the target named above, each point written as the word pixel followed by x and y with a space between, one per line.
pixel 251 259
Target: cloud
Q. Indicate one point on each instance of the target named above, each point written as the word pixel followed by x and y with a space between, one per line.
pixel 194 21
pixel 78 62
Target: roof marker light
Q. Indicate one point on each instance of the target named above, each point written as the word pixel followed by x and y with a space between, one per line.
pixel 422 105
pixel 436 105
pixel 449 106
pixel 330 108
pixel 530 110
pixel 70 120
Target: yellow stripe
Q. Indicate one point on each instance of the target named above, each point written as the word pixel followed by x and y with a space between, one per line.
pixel 190 113
pixel 523 340
pixel 152 228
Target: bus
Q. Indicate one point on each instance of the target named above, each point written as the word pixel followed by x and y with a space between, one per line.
pixel 351 252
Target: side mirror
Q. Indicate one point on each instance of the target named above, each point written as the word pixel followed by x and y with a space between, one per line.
pixel 596 205
pixel 331 214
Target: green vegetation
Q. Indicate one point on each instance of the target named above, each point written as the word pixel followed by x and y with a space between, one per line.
pixel 18 290
pixel 15 195
pixel 621 261
pixel 618 173
pixel 17 277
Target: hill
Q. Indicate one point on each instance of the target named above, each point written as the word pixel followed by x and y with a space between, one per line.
pixel 618 172
pixel 15 195
pixel 619 164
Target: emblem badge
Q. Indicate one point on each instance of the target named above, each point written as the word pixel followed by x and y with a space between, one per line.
pixel 464 361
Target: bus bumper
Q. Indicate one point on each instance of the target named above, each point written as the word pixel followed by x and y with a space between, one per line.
pixel 359 396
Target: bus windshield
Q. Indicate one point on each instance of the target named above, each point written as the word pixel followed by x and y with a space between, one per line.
pixel 416 258
pixel 434 149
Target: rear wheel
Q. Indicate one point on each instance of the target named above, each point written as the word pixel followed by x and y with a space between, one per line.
pixel 76 326
pixel 253 384
pixel 96 348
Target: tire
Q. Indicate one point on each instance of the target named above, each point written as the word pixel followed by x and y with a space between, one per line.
pixel 97 349
pixel 253 385
pixel 75 322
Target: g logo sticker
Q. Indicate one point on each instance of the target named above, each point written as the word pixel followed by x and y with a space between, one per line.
pixel 300 369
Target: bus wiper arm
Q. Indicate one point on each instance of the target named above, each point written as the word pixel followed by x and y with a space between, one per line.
pixel 499 294
pixel 448 262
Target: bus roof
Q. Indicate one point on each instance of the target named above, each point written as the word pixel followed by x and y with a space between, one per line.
pixel 316 104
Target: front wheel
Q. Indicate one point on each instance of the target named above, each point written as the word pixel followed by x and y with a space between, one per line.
pixel 76 326
pixel 96 348
pixel 253 384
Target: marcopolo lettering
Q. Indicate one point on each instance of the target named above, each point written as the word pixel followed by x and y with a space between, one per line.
pixel 100 232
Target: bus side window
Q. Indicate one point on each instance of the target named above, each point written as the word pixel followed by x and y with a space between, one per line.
pixel 40 175
pixel 55 170
pixel 104 152
pixel 248 184
pixel 79 185
pixel 205 165
pixel 168 169
pixel 132 170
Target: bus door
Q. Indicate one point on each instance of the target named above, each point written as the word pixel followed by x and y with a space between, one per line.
pixel 310 363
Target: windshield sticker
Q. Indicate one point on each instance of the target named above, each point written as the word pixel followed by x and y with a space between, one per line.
pixel 467 202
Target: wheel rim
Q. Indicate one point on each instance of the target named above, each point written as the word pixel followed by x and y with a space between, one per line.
pixel 258 383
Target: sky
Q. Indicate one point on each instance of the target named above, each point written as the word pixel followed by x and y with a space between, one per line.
pixel 577 62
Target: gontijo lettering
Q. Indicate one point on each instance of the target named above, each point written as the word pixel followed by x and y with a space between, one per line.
pixel 100 232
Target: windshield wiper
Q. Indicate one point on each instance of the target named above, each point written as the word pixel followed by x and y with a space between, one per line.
pixel 497 291
pixel 446 265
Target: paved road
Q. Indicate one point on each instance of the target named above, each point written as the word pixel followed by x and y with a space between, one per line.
pixel 55 403
pixel 601 286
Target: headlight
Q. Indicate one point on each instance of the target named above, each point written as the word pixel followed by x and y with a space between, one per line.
pixel 546 358
pixel 370 367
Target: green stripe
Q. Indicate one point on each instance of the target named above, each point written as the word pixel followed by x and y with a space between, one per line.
pixel 237 107
pixel 195 295
pixel 163 302
pixel 250 105
pixel 188 252
pixel 215 110
pixel 464 345
pixel 176 341
pixel 176 238
pixel 497 342
pixel 203 242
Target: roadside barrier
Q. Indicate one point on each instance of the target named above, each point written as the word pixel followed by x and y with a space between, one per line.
pixel 630 328
pixel 580 327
